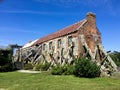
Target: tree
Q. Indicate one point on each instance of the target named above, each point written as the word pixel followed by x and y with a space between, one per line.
pixel 5 60
pixel 116 57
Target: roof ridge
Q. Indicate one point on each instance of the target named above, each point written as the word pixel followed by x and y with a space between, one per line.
pixel 70 25
pixel 63 28
pixel 61 32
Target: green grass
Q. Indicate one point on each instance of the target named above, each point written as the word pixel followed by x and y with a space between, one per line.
pixel 45 81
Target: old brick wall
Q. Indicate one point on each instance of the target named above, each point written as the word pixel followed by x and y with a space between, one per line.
pixel 92 34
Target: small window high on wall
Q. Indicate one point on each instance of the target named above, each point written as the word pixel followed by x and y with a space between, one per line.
pixel 69 40
pixel 50 45
pixel 59 43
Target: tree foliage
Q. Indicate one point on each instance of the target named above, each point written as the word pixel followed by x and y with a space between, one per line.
pixel 86 68
pixel 116 57
pixel 5 60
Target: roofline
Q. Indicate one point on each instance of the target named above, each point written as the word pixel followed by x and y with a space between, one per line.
pixel 83 22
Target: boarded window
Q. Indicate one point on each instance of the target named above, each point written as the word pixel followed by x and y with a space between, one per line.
pixel 69 40
pixel 50 45
pixel 59 43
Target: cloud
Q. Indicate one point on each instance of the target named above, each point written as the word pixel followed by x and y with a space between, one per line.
pixel 107 5
pixel 5 42
pixel 58 1
pixel 36 12
pixel 22 11
pixel 10 29
pixel 61 3
pixel 71 2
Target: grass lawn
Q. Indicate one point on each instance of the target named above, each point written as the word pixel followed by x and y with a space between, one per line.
pixel 45 81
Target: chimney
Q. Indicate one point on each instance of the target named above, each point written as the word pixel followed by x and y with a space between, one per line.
pixel 91 18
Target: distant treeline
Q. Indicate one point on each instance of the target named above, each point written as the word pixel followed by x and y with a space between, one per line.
pixel 116 57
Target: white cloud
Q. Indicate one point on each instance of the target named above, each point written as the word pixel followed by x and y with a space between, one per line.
pixel 106 5
pixel 36 12
pixel 59 1
pixel 22 11
pixel 63 3
pixel 10 29
pixel 5 42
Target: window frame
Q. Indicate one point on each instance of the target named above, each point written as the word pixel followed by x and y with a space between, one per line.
pixel 59 43
pixel 50 45
pixel 44 45
pixel 70 40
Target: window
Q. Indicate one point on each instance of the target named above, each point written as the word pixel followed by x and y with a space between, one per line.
pixel 50 45
pixel 44 46
pixel 69 40
pixel 95 37
pixel 59 43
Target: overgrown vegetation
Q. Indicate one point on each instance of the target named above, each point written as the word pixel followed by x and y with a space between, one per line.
pixel 81 68
pixel 63 70
pixel 116 57
pixel 28 66
pixel 5 60
pixel 86 68
pixel 42 66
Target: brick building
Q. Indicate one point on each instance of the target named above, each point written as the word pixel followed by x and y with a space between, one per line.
pixel 81 39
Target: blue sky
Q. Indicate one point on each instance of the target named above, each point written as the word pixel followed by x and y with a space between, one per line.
pixel 24 20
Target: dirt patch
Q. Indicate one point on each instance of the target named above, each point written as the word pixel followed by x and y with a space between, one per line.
pixel 28 71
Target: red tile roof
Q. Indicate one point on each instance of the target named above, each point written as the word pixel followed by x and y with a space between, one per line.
pixel 60 33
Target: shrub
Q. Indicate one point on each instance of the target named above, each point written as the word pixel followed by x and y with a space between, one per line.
pixel 86 68
pixel 68 69
pixel 57 70
pixel 28 66
pixel 6 60
pixel 45 66
pixel 63 70
pixel 38 67
pixel 42 67
pixel 3 61
pixel 6 68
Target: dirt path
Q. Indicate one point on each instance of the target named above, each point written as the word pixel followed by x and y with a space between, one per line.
pixel 28 71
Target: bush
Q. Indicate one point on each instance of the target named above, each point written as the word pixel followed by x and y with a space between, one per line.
pixel 6 60
pixel 68 69
pixel 86 68
pixel 42 67
pixel 38 67
pixel 45 66
pixel 63 70
pixel 6 68
pixel 81 68
pixel 57 70
pixel 28 66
